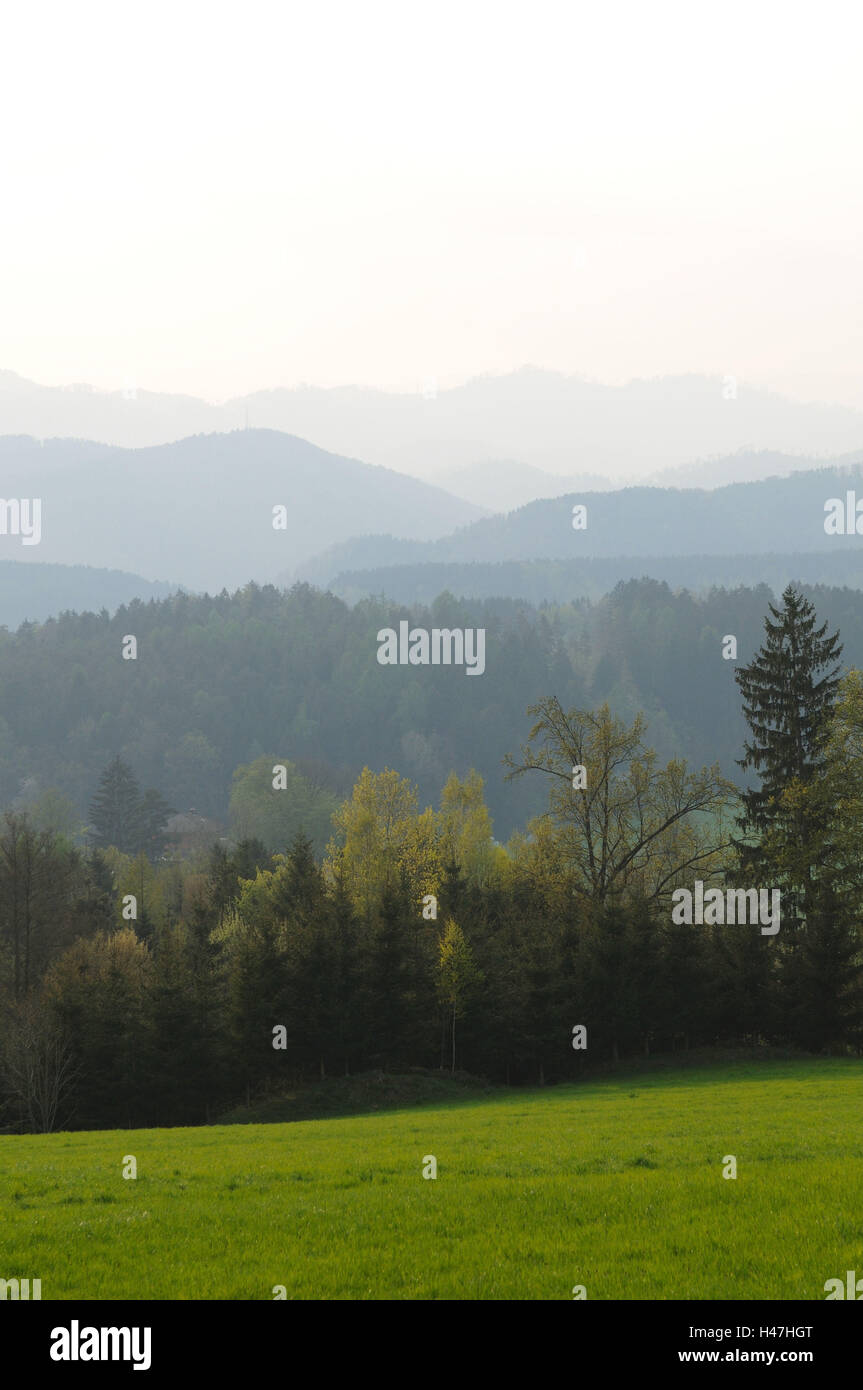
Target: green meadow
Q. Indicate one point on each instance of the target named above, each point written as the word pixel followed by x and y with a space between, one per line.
pixel 614 1184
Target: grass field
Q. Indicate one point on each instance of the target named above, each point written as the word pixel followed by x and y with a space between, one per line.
pixel 614 1184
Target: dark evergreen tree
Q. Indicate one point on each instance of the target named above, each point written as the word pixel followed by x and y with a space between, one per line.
pixel 645 946
pixel 181 1044
pixel 789 692
pixel 386 982
pixel 311 960
pixel 741 966
pixel 609 976
pixel 249 855
pixel 301 895
pixel 99 890
pixel 224 871
pixel 255 1006
pixel 824 980
pixel 789 698
pixel 125 817
pixel 39 876
pixel 684 994
pixel 94 904
pixel 115 811
pixel 348 1034
pixel 153 814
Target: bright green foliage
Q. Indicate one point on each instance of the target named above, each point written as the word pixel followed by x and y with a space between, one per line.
pixel 458 975
pixel 276 814
pixel 635 825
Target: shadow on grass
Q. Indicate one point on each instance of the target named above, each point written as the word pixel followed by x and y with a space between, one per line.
pixel 376 1091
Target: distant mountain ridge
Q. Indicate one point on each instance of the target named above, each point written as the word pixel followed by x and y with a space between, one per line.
pixel 200 512
pixel 564 425
pixel 504 485
pixel 33 593
pixel 771 516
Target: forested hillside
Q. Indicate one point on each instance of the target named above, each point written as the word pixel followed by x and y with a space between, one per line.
pixel 561 581
pixel 222 681
pixel 757 518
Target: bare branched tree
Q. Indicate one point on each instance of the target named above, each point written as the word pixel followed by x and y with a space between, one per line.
pixel 632 824
pixel 37 1070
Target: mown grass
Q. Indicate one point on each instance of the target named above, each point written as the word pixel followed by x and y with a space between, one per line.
pixel 615 1184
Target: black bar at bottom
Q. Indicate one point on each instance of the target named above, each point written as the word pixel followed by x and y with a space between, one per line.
pixel 225 1338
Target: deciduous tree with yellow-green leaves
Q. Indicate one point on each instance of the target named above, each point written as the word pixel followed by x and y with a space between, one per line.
pixel 458 976
pixel 633 824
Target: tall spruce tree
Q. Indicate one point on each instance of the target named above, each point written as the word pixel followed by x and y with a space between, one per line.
pixel 123 816
pixel 789 820
pixel 115 811
pixel 153 815
pixel 789 692
pixel 786 704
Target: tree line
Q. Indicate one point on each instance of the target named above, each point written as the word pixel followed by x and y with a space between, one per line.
pixel 222 681
pixel 151 990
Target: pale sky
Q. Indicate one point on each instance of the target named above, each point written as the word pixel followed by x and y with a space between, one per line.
pixel 217 198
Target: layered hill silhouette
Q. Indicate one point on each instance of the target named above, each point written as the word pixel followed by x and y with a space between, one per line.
pixel 744 519
pixel 32 593
pixel 200 512
pixel 504 485
pixel 541 420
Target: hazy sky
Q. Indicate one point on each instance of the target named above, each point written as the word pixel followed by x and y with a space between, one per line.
pixel 218 197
